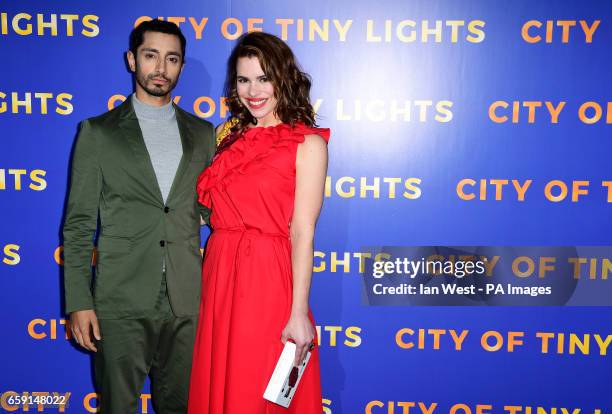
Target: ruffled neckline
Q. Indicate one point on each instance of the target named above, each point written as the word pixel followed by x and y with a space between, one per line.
pixel 280 131
pixel 254 144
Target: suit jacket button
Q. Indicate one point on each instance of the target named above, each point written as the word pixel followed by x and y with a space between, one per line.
pixel 166 209
pixel 162 243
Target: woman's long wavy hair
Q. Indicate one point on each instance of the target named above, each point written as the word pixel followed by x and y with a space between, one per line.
pixel 291 85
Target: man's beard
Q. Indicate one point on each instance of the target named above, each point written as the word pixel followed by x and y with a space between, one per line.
pixel 155 90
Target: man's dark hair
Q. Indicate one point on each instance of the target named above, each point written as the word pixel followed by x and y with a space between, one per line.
pixel 155 25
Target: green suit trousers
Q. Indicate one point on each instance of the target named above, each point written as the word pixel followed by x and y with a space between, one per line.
pixel 159 345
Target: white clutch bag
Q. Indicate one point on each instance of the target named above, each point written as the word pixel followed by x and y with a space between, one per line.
pixel 286 377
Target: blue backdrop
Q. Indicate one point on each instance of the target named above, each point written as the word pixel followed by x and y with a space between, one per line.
pixel 420 95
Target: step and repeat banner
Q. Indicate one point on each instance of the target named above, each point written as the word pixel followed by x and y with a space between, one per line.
pixel 461 261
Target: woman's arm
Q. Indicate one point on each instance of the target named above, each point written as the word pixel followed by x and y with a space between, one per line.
pixel 311 170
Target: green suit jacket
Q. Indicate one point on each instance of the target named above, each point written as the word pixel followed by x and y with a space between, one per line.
pixel 113 179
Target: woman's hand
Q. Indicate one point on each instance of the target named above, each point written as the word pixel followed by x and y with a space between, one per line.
pixel 300 330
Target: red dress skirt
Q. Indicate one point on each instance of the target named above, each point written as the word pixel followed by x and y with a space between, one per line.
pixel 247 276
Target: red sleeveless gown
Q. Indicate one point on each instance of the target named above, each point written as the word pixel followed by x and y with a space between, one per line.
pixel 247 276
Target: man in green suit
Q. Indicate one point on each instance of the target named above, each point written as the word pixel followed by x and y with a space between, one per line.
pixel 135 169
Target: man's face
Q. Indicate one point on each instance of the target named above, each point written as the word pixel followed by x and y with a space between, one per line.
pixel 157 64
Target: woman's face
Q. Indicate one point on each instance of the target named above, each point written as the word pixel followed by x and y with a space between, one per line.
pixel 256 91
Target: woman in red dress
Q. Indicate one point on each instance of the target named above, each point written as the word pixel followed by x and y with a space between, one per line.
pixel 265 190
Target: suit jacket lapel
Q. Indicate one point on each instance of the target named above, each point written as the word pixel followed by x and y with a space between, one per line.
pixel 187 143
pixel 133 135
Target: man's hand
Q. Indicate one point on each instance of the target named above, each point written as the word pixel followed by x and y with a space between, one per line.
pixel 82 324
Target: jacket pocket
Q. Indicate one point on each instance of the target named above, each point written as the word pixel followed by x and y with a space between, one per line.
pixel 114 244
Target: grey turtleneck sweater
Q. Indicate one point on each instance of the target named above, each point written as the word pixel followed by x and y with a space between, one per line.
pixel 161 136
